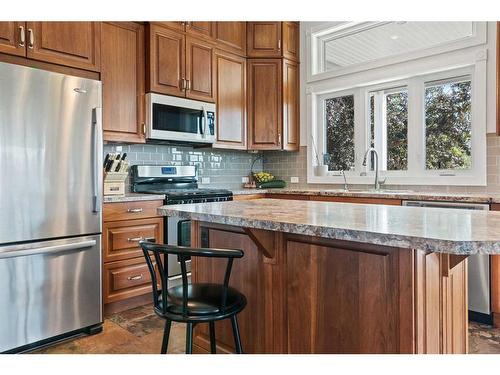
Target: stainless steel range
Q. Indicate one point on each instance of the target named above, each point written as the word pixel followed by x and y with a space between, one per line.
pixel 180 186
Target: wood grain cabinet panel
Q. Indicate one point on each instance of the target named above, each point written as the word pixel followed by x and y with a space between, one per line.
pixel 121 238
pixel 123 76
pixel 264 39
pixel 176 25
pixel 204 29
pixel 75 44
pixel 11 35
pixel 200 70
pixel 291 97
pixel 291 40
pixel 231 101
pixel 130 210
pixel 264 104
pixel 232 36
pixel 125 279
pixel 165 61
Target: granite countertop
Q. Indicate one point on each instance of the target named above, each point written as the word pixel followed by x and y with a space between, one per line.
pixel 132 197
pixel 388 194
pixel 452 231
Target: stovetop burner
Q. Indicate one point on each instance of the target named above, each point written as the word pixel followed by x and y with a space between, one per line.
pixel 179 184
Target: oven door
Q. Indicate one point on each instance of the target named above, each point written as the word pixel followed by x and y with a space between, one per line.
pixel 178 234
pixel 178 119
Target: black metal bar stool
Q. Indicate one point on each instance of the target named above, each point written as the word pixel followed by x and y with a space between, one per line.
pixel 193 303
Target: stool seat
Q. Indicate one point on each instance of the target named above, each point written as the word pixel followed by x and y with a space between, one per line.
pixel 203 299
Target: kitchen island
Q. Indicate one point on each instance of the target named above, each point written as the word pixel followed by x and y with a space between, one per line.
pixel 326 277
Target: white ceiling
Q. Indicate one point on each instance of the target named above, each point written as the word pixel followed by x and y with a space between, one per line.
pixel 389 39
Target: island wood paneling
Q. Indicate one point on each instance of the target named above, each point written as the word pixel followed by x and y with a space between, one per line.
pixel 313 295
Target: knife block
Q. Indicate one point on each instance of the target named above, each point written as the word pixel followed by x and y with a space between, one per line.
pixel 114 183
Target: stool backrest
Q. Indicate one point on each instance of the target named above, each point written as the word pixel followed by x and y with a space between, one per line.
pixel 160 254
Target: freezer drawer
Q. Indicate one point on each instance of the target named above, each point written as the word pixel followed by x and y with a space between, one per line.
pixel 49 288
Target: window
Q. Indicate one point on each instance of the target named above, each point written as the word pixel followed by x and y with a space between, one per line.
pixel 448 128
pixel 389 128
pixel 339 119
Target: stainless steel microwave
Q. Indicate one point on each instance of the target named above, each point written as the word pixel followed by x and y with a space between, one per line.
pixel 170 118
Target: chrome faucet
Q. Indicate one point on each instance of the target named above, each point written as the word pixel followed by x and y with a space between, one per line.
pixel 377 182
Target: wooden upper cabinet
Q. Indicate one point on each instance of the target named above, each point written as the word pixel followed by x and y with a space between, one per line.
pixel 204 29
pixel 291 99
pixel 200 70
pixel 75 44
pixel 165 61
pixel 13 38
pixel 264 39
pixel 291 40
pixel 273 39
pixel 264 104
pixel 231 101
pixel 122 75
pixel 232 36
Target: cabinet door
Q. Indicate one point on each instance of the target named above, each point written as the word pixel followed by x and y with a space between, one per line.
pixel 264 39
pixel 291 39
pixel 290 105
pixel 11 38
pixel 75 44
pixel 165 70
pixel 264 104
pixel 122 75
pixel 232 36
pixel 177 25
pixel 204 29
pixel 231 101
pixel 200 70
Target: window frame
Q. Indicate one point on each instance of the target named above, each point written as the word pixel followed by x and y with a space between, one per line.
pixel 315 48
pixel 416 173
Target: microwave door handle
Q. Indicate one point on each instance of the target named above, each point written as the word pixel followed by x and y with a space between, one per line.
pixel 204 122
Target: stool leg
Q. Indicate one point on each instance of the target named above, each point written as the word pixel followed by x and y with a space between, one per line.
pixel 189 338
pixel 166 335
pixel 213 349
pixel 236 334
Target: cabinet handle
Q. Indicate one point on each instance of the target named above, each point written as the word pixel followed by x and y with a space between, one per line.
pixel 136 277
pixel 279 43
pixel 143 128
pixel 279 138
pixel 22 36
pixel 183 84
pixel 134 239
pixel 188 85
pixel 135 210
pixel 31 38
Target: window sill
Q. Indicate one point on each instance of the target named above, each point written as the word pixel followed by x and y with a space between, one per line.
pixel 458 180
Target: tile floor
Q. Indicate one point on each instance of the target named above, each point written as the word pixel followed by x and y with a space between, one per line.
pixel 139 330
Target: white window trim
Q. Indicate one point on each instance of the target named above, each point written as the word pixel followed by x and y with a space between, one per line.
pixel 472 63
pixel 314 48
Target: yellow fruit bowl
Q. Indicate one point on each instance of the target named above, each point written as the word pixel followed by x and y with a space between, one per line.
pixel 261 177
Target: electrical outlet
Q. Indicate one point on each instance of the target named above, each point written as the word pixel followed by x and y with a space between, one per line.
pixel 205 180
pixel 245 180
pixel 119 148
pixel 294 180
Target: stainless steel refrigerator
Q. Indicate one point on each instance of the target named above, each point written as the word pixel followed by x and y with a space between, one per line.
pixel 50 206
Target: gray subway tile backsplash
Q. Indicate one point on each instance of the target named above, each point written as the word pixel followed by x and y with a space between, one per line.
pixel 224 168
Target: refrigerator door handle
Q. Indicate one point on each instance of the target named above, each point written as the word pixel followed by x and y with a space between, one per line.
pixel 48 249
pixel 97 156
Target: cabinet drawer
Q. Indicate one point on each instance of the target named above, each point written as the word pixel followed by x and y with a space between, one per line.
pixel 121 238
pixel 125 279
pixel 130 210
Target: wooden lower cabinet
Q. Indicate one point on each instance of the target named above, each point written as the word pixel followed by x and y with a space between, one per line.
pixel 126 278
pixel 313 295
